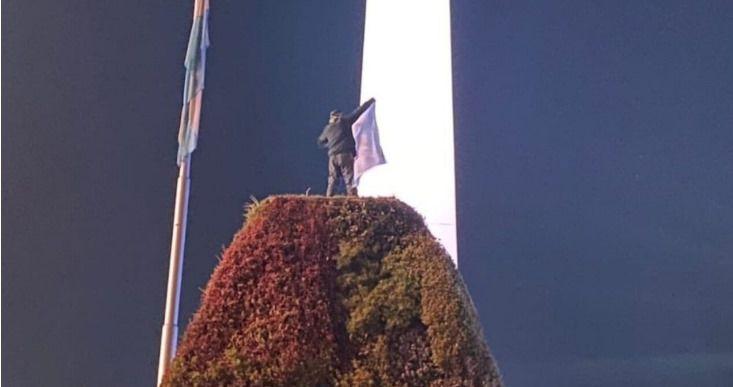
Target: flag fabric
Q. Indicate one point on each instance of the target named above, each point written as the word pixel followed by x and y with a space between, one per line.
pixel 195 64
pixel 369 152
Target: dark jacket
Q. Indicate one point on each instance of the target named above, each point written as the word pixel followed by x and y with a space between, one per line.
pixel 337 136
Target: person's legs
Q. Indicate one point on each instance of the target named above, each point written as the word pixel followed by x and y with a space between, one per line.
pixel 333 174
pixel 347 171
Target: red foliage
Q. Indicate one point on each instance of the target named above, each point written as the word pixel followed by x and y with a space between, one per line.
pixel 268 300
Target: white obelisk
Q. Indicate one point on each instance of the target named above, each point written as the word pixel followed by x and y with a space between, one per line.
pixel 407 68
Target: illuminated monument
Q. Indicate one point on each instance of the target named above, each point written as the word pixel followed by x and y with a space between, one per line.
pixel 407 68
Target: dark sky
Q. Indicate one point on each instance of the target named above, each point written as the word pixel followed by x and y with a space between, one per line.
pixel 594 145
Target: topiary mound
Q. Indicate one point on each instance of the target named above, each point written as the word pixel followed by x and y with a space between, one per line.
pixel 318 291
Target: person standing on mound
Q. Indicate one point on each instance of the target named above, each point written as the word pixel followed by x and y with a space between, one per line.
pixel 337 137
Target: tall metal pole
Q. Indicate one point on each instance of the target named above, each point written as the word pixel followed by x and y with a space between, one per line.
pixel 195 64
pixel 169 335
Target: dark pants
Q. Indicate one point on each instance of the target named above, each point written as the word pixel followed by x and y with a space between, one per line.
pixel 341 165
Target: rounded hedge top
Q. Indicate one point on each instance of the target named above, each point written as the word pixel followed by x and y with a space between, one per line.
pixel 318 291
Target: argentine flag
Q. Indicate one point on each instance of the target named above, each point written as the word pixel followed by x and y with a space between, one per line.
pixel 369 152
pixel 195 64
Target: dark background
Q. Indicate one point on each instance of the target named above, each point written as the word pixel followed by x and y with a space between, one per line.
pixel 594 148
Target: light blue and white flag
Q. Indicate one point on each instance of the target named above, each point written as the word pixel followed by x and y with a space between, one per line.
pixel 195 64
pixel 369 152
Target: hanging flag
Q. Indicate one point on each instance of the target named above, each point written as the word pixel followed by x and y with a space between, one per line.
pixel 369 152
pixel 195 64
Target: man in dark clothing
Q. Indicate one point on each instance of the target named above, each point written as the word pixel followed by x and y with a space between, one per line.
pixel 339 140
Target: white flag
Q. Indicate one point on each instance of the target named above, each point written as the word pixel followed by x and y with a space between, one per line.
pixel 368 150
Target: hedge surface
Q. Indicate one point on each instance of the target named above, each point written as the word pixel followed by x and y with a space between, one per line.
pixel 317 291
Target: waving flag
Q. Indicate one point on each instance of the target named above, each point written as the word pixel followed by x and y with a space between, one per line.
pixel 195 64
pixel 368 150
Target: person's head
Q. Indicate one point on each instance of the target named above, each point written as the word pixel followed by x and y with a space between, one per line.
pixel 334 116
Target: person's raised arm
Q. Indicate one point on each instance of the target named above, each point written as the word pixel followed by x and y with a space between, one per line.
pixel 353 116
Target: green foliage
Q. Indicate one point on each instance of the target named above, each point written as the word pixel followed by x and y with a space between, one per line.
pixel 320 291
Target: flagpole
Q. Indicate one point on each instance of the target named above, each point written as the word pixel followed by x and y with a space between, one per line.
pixel 169 335
pixel 190 116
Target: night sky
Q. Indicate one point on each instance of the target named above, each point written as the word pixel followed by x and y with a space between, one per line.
pixel 594 145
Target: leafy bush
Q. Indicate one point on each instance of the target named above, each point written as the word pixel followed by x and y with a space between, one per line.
pixel 318 291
